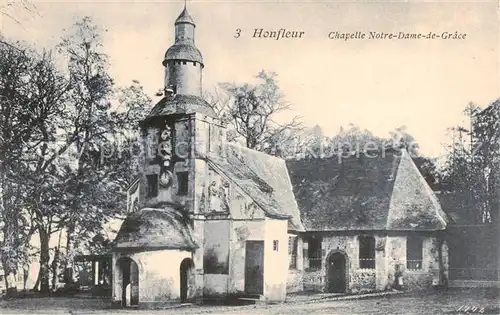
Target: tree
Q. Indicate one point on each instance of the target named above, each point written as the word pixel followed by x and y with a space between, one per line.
pixel 97 187
pixel 253 109
pixel 56 134
pixel 471 168
pixel 353 138
pixel 486 129
pixel 31 92
pixel 400 138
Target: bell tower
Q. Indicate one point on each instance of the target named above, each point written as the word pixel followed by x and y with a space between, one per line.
pixel 183 62
pixel 181 129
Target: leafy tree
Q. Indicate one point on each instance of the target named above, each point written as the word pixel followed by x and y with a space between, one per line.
pixel 97 183
pixel 400 138
pixel 32 93
pixel 252 111
pixel 471 168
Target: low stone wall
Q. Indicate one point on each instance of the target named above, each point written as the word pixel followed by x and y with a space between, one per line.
pixel 313 281
pixel 294 281
pixel 363 280
pixel 417 280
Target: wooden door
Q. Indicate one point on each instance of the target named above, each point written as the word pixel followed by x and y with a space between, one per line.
pixel 254 267
pixel 337 273
pixel 134 283
pixel 125 271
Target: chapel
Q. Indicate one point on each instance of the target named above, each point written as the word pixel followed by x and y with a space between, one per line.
pixel 213 220
pixel 210 219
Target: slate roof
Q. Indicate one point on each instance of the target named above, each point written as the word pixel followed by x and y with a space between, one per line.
pixel 263 178
pixel 154 229
pixel 184 17
pixel 364 193
pixel 183 51
pixel 181 104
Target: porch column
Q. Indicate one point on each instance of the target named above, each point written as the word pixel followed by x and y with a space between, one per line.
pixel 96 272
pixel 381 264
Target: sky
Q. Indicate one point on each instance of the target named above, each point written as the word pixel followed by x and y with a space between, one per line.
pixel 377 85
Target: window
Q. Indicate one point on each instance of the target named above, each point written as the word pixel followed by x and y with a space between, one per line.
pixel 275 245
pixel 366 252
pixel 182 183
pixel 152 185
pixel 292 252
pixel 414 253
pixel 314 253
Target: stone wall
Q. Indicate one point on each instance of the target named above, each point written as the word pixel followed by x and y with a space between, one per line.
pixel 185 76
pixel 159 276
pixel 216 247
pixel 425 277
pixel 294 281
pixel 390 254
pixel 168 149
pixel 313 281
pixel 362 280
pixel 242 231
pixel 275 260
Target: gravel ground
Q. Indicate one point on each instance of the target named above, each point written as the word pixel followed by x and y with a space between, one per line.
pixel 446 302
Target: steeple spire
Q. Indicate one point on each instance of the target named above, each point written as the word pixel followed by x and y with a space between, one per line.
pixel 184 17
pixel 183 61
pixel 184 65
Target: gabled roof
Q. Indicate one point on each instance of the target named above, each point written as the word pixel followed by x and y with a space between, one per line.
pixel 154 229
pixel 376 191
pixel 263 178
pixel 181 104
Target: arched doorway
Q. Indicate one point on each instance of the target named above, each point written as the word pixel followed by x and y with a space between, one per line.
pixel 337 272
pixel 129 286
pixel 186 270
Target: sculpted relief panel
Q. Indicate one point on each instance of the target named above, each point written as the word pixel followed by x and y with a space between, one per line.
pixel 182 139
pixel 218 193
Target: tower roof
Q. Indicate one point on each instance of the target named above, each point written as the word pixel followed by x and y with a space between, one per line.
pixel 184 17
pixel 184 47
pixel 154 229
pixel 182 51
pixel 181 104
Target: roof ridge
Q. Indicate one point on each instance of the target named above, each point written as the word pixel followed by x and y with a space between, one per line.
pixel 257 152
pixel 393 215
pixel 430 192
